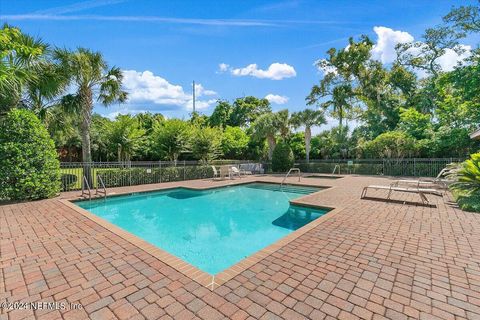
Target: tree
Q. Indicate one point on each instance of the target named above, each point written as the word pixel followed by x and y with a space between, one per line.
pixel 464 18
pixel 415 123
pixel 93 81
pixel 30 168
pixel 171 138
pixel 268 125
pixel 234 143
pixel 220 116
pixel 246 110
pixel 206 143
pixel 308 118
pixel 124 136
pixel 423 55
pixel 392 144
pixel 282 159
pixel 339 85
pixel 20 56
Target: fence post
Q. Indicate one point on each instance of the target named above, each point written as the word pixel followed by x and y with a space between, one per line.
pixel 184 168
pixel 160 165
pixel 414 167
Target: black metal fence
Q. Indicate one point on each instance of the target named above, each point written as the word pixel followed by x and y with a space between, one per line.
pixel 407 167
pixel 118 174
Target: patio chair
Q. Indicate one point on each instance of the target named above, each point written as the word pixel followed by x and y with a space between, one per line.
pixel 216 174
pixel 420 191
pixel 224 172
pixel 235 172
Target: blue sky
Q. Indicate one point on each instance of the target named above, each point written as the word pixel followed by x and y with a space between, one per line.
pixel 164 45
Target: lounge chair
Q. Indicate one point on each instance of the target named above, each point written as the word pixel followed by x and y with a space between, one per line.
pixel 215 172
pixel 420 191
pixel 439 182
pixel 235 172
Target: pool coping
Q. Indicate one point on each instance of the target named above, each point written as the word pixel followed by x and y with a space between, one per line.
pixel 205 279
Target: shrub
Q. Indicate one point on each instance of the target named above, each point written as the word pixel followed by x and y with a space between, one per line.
pixel 282 158
pixel 28 160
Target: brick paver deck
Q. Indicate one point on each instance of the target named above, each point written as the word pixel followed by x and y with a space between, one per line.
pixel 370 260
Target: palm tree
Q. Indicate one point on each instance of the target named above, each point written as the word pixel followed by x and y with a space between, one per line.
pixel 93 82
pixel 20 55
pixel 308 118
pixel 268 125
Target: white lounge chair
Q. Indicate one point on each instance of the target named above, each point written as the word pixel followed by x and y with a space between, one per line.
pixel 215 172
pixel 235 172
pixel 439 182
pixel 420 191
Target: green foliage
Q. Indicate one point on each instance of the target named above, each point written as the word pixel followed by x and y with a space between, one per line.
pixel 393 144
pixel 220 116
pixel 415 123
pixel 206 143
pixel 468 176
pixel 297 144
pixel 28 160
pixel 451 141
pixel 124 137
pixel 20 56
pixel 171 138
pixel 246 110
pixel 235 143
pixel 282 158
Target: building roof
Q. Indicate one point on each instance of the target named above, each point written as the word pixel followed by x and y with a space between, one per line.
pixel 475 134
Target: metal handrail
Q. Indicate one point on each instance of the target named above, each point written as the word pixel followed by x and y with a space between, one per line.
pixel 335 168
pixel 101 184
pixel 288 173
pixel 85 184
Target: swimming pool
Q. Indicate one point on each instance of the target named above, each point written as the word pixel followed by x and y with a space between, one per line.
pixel 210 229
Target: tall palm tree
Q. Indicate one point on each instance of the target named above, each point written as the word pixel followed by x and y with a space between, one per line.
pixel 93 82
pixel 268 125
pixel 20 55
pixel 308 118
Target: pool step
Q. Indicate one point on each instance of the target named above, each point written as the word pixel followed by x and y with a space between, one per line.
pixel 285 188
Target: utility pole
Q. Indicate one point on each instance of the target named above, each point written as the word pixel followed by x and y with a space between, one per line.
pixel 193 93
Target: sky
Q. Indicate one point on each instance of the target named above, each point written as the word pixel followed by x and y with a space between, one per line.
pixel 229 48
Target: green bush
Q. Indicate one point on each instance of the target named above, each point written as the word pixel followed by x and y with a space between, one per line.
pixel 467 186
pixel 282 158
pixel 28 160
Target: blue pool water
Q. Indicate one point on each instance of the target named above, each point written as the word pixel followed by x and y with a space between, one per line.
pixel 210 229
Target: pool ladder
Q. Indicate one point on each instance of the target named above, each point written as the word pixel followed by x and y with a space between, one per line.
pixel 86 191
pixel 103 190
pixel 288 173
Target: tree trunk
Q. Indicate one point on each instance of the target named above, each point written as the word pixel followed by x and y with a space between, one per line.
pixel 86 107
pixel 308 138
pixel 271 146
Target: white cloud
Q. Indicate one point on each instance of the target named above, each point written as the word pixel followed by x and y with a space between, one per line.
pixel 387 39
pixel 145 87
pixel 277 99
pixel 276 71
pixel 222 67
pixel 450 58
pixel 322 67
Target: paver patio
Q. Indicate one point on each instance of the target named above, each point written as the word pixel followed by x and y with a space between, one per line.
pixel 369 260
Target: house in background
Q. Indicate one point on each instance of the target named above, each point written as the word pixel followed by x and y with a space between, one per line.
pixel 475 134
